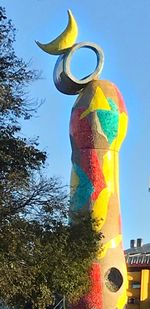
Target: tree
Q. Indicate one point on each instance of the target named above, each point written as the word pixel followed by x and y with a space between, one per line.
pixel 40 253
pixel 18 156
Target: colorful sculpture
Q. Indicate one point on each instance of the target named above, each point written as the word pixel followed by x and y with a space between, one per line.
pixel 98 127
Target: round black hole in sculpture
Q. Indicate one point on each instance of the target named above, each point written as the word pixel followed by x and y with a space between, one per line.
pixel 113 279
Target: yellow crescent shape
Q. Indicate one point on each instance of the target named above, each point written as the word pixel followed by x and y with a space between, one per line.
pixel 64 41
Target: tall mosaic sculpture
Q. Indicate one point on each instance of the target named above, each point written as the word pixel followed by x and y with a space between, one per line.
pixel 98 127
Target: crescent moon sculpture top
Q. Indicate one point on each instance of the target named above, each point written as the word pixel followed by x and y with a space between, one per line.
pixel 64 41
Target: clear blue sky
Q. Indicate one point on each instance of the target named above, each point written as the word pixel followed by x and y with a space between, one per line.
pixel 122 29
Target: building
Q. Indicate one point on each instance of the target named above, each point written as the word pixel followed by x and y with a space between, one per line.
pixel 138 266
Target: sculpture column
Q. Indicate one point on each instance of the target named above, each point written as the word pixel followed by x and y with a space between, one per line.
pixel 98 127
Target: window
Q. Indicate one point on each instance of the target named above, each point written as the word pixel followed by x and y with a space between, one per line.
pixel 133 300
pixel 135 285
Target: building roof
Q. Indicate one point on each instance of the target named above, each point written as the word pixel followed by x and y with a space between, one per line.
pixel 138 256
pixel 143 249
